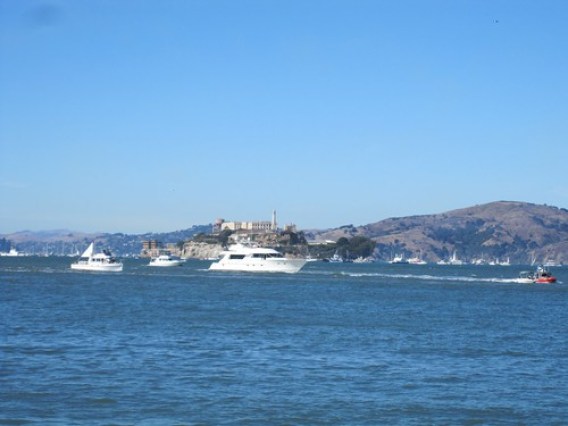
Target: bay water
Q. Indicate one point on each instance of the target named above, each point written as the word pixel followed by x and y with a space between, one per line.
pixel 336 344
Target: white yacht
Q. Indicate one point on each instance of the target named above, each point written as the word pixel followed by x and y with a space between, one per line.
pixel 103 262
pixel 166 260
pixel 246 258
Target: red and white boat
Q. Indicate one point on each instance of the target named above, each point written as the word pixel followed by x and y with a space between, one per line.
pixel 543 276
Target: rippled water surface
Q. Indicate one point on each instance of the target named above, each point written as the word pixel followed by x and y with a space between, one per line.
pixel 334 344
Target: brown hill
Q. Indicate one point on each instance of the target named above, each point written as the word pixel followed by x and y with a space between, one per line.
pixel 520 231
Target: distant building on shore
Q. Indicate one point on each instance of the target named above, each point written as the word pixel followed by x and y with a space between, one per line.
pixel 151 245
pixel 154 248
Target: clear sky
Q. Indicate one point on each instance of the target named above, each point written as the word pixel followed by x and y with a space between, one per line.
pixel 148 116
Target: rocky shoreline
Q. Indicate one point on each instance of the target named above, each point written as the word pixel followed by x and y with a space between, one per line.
pixel 200 250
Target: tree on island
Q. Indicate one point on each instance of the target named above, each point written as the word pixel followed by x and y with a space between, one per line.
pixel 355 247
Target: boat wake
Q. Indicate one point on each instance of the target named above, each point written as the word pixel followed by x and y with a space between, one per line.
pixel 442 278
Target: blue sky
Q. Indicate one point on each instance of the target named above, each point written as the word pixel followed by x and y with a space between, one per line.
pixel 140 116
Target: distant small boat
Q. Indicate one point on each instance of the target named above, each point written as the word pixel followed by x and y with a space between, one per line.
pixel 452 260
pixel 398 259
pixel 362 259
pixel 336 258
pixel 12 253
pixel 417 260
pixel 498 262
pixel 166 260
pixel 103 262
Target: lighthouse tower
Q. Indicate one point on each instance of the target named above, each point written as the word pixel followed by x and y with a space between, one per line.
pixel 274 220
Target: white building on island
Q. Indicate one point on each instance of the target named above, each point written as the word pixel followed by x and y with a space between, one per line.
pixel 252 226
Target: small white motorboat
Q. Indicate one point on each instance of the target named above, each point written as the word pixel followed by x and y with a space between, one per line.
pixel 166 260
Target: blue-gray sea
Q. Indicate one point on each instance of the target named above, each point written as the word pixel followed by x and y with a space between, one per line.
pixel 336 344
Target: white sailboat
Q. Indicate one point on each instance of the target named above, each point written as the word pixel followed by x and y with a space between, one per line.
pixel 453 260
pixel 90 261
pixel 398 259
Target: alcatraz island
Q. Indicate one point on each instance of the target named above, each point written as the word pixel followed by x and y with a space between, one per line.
pixel 501 232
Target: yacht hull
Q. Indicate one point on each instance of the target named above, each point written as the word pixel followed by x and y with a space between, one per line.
pixel 288 266
pixel 116 267
pixel 165 264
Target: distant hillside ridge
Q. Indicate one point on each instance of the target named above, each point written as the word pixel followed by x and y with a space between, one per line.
pixel 521 232
pixel 65 242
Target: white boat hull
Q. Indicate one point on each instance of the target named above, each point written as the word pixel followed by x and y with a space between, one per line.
pixel 524 280
pixel 111 267
pixel 288 266
pixel 166 263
